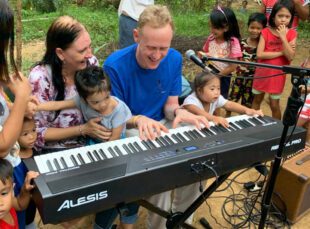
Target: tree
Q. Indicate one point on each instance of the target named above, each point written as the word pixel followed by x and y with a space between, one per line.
pixel 17 5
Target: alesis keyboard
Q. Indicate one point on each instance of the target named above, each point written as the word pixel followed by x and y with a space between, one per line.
pixel 85 180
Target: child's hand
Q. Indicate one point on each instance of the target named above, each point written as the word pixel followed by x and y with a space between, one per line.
pixel 220 121
pixel 27 184
pixel 282 30
pixel 252 112
pixel 32 107
pixel 20 86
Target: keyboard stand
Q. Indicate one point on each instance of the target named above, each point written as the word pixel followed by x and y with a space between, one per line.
pixel 177 219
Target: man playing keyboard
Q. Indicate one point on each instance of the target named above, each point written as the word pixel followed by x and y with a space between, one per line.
pixel 147 77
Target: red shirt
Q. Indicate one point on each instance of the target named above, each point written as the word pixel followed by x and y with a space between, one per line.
pixel 5 225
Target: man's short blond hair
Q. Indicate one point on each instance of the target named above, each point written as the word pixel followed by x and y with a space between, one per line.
pixel 155 16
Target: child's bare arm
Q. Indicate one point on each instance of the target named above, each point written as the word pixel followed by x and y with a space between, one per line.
pixel 261 54
pixel 21 202
pixel 229 69
pixel 56 105
pixel 116 133
pixel 288 47
pixel 197 111
pixel 238 108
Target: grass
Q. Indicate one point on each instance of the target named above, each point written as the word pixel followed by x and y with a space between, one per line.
pixel 102 25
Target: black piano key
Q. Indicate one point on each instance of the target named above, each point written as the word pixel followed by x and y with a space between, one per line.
pixel 234 126
pixel 215 129
pixel 153 146
pixel 263 119
pixel 96 155
pixel 103 154
pixel 63 162
pixel 138 146
pixel 146 145
pixel 163 140
pixel 169 139
pixel 91 158
pixel 74 160
pixel 247 121
pixel 206 132
pixel 231 128
pixel 198 134
pixel 114 154
pixel 191 132
pixel 247 124
pixel 178 140
pixel 127 149
pixel 222 128
pixel 132 148
pixel 118 150
pixel 181 137
pixel 80 158
pixel 188 135
pixel 159 142
pixel 49 165
pixel 255 121
pixel 241 124
pixel 56 163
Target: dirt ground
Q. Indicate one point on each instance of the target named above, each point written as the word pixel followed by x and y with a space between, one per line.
pixel 212 210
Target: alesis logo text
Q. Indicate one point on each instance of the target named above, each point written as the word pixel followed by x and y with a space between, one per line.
pixel 67 204
pixel 293 142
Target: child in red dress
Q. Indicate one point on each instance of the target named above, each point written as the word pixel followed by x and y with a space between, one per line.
pixel 276 47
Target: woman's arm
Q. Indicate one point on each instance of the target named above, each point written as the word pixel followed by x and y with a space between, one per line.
pixel 302 11
pixel 56 105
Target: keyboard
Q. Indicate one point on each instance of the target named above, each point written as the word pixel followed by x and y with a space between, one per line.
pixel 85 180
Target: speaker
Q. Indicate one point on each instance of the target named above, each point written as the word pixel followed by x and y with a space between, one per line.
pixel 292 188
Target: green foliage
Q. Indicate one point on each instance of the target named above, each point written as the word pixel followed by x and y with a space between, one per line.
pixel 45 6
pixel 100 4
pixel 192 24
pixel 303 29
pixel 188 5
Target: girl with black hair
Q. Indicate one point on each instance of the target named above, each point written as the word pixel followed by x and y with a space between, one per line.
pixel 223 43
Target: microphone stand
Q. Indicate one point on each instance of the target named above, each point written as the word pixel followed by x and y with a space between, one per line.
pixel 289 119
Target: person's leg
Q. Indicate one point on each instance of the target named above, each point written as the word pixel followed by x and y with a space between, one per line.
pixel 258 99
pixel 126 26
pixel 30 215
pixel 163 201
pixel 247 95
pixel 128 215
pixel 185 196
pixel 234 94
pixel 304 121
pixel 275 106
pixel 225 83
pixel 105 219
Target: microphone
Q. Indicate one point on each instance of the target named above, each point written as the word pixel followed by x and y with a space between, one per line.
pixel 190 55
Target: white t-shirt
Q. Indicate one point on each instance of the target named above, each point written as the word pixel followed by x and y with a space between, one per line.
pixel 133 8
pixel 193 100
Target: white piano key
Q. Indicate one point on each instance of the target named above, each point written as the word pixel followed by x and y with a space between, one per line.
pixel 68 160
pixel 42 166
